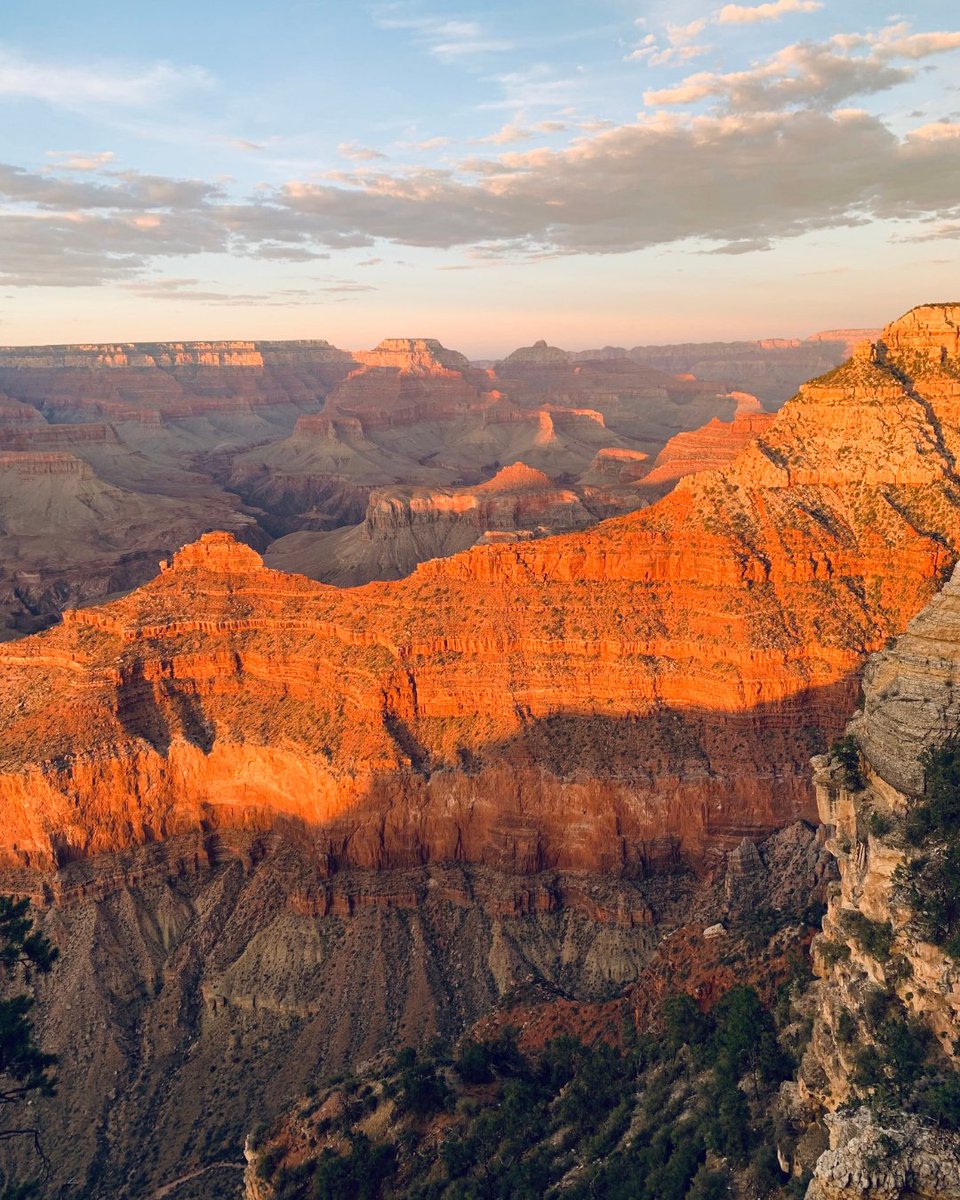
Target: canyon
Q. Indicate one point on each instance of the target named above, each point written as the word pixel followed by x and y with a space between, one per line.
pixel 872 1113
pixel 134 449
pixel 277 825
pixel 664 676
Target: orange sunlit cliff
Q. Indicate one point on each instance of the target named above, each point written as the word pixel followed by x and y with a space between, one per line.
pixel 590 700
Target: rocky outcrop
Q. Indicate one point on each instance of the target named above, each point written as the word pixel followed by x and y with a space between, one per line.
pixel 873 1159
pixel 880 971
pixel 539 354
pixel 908 706
pixel 930 331
pixel 910 699
pixel 413 356
pixel 170 354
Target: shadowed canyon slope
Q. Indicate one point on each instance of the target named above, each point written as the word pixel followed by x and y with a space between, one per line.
pixel 584 701
pixel 132 450
pixel 773 368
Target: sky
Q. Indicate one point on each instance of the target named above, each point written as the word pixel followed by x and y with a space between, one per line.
pixel 597 173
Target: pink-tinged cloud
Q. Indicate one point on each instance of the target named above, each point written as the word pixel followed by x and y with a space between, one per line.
pixel 746 14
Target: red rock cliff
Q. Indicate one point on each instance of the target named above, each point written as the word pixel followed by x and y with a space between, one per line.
pixel 582 701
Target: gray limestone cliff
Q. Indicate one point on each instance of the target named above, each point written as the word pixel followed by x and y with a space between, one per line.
pixel 890 990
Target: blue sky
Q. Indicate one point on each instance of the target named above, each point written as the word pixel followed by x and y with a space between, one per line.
pixel 488 174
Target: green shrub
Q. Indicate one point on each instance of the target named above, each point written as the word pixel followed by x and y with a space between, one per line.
pixel 937 812
pixel 846 753
pixel 880 824
pixel 833 952
pixel 474 1064
pixel 873 937
pixel 421 1090
pixel 940 1100
pixel 890 1070
pixel 846 1027
pixel 931 884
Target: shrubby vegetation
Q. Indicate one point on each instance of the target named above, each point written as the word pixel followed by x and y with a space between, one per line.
pixel 874 937
pixel 931 881
pixel 846 752
pixel 674 1116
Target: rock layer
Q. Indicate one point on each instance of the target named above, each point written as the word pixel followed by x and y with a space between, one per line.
pixel 591 700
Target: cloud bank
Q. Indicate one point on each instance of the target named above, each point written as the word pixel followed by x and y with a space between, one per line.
pixel 777 154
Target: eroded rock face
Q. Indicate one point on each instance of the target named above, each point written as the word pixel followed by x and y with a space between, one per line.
pixel 538 354
pixel 413 356
pixel 773 368
pixel 170 354
pixel 271 438
pixel 588 701
pixel 911 697
pixel 149 424
pixel 908 706
pixel 206 981
pixel 871 1159
pixel 930 330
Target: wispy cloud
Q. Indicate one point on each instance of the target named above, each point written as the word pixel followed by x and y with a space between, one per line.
pixel 180 289
pixel 682 44
pixel 443 37
pixel 537 86
pixel 77 160
pixel 107 84
pixel 357 153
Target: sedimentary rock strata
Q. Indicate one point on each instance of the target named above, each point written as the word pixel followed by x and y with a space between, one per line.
pixel 591 700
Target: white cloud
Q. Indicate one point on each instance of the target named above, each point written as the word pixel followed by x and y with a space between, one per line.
pixel 106 85
pixel 75 160
pixel 896 41
pixel 511 132
pixel 680 35
pixel 815 74
pixel 935 131
pixel 357 153
pixel 778 157
pixel 745 14
pixel 681 47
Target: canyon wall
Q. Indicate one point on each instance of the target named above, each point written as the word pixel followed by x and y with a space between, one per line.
pixel 588 701
pixel 883 974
